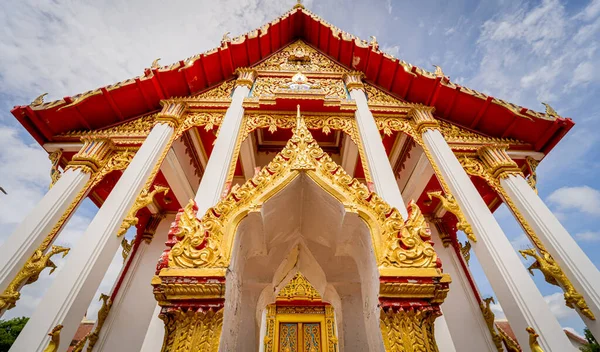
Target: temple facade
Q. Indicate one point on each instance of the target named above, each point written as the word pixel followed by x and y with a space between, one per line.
pixel 294 189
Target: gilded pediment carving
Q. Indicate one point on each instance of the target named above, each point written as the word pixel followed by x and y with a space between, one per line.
pixel 299 56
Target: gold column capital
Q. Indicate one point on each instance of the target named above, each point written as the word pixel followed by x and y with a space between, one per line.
pixel 497 161
pixel 172 113
pixel 245 77
pixel 423 119
pixel 93 155
pixel 353 80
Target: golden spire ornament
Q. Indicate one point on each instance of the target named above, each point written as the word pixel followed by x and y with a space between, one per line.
pixel 299 5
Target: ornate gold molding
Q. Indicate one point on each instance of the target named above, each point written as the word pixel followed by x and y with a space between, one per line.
pixel 489 318
pixel 497 161
pixel 353 80
pixel 197 330
pixel 532 179
pixel 144 199
pixel 299 56
pixel 323 122
pixel 449 203
pixel 94 153
pixel 245 77
pixel 29 274
pixel 172 113
pixel 300 289
pixel 475 167
pixel 320 88
pixel 408 330
pixel 422 117
pixel 55 174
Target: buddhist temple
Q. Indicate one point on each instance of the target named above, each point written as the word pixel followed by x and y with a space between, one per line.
pixel 294 189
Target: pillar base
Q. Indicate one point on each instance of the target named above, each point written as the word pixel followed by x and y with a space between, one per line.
pixel 409 329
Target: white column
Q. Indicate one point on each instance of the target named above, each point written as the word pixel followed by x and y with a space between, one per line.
pixel 32 231
pixel 461 307
pixel 443 338
pixel 131 311
pixel 522 302
pixel 215 174
pixel 67 300
pixel 575 264
pixel 213 179
pixel 377 159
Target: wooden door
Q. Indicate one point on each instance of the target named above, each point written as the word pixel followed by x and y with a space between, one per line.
pixel 300 337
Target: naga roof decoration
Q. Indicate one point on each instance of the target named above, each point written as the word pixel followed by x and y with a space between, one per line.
pixel 120 102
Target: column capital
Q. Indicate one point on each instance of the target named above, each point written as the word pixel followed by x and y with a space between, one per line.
pixel 497 162
pixel 151 227
pixel 172 113
pixel 423 118
pixel 246 77
pixel 92 156
pixel 353 80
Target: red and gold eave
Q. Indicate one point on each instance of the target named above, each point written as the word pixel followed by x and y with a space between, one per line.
pixel 138 96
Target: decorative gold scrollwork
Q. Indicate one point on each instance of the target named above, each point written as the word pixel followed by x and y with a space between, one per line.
pixel 192 330
pixel 408 330
pixel 29 274
pixel 465 250
pixel 451 205
pixel 55 160
pixel 144 199
pixel 554 275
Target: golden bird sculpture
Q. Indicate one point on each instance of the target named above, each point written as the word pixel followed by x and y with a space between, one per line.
pixel 39 100
pixel 533 343
pixel 373 43
pixel 155 63
pixel 54 339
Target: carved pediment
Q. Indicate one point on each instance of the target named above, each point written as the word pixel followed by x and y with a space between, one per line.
pixel 299 56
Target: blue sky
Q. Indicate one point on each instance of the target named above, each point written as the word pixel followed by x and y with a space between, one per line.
pixel 521 51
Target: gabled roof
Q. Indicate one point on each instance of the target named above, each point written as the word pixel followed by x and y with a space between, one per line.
pixel 140 95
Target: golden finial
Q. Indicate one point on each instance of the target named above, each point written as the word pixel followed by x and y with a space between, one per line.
pixel 39 100
pixel 54 339
pixel 298 117
pixel 299 5
pixel 550 112
pixel 155 63
pixel 373 43
pixel 226 38
pixel 533 343
pixel 438 71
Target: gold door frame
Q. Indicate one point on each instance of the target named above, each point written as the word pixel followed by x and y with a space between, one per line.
pixel 298 314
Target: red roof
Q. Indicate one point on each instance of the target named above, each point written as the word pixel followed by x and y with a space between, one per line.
pixel 134 97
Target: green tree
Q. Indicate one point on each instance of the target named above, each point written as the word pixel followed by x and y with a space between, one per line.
pixel 9 330
pixel 593 345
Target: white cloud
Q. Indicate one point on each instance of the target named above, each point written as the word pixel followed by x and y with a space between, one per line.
pixel 556 303
pixel 393 50
pixel 588 236
pixel 528 54
pixel 580 198
pixel 521 242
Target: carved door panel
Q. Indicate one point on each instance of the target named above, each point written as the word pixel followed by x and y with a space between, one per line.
pixel 300 337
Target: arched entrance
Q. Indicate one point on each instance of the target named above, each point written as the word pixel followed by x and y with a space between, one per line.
pixel 378 269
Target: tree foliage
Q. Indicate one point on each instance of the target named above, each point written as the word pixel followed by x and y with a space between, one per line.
pixel 9 330
pixel 592 345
